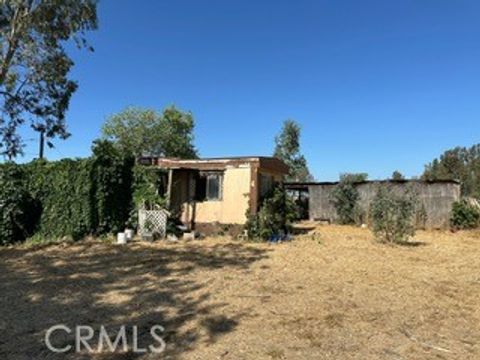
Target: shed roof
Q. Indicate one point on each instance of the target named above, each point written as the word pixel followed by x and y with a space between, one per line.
pixel 299 185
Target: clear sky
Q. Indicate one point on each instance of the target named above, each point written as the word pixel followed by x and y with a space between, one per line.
pixel 377 86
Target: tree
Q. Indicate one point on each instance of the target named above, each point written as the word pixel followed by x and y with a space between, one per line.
pixel 176 132
pixel 460 163
pixel 345 196
pixel 287 148
pixel 393 216
pixel 141 131
pixel 397 175
pixel 34 66
pixel 353 177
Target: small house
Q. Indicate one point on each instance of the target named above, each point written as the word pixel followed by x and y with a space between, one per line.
pixel 218 190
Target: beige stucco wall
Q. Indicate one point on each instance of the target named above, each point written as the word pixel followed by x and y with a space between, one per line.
pixel 234 204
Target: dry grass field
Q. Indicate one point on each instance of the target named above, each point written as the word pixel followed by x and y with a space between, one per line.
pixel 335 294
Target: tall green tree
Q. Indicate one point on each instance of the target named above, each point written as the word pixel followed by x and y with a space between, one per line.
pixel 397 175
pixel 287 148
pixel 460 163
pixel 143 132
pixel 34 66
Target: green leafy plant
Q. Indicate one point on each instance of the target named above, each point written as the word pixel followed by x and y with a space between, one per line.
pixel 464 215
pixel 421 216
pixel 275 217
pixel 141 132
pixel 64 190
pixel 35 88
pixel 397 176
pixel 147 188
pixel 287 149
pixel 132 222
pixel 393 216
pixel 112 181
pixel 149 227
pixel 66 198
pixel 459 163
pixel 344 198
pixel 19 212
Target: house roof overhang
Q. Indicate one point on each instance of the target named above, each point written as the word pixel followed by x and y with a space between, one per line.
pixel 262 162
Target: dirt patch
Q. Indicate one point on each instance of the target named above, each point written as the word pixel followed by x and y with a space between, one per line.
pixel 217 229
pixel 333 293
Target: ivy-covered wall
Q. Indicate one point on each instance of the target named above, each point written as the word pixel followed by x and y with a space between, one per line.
pixel 18 209
pixel 63 190
pixel 70 198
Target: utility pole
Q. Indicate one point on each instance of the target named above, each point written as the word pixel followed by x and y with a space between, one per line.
pixel 42 144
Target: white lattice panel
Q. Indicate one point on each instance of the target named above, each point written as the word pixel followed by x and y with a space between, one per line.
pixel 158 219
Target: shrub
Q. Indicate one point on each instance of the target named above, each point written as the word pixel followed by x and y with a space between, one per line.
pixel 66 198
pixel 147 187
pixel 344 198
pixel 393 216
pixel 18 210
pixel 464 215
pixel 64 190
pixel 112 179
pixel 275 216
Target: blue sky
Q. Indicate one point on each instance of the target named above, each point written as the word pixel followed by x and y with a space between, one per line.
pixel 377 86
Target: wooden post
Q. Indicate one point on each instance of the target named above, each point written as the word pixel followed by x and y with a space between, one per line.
pixel 169 188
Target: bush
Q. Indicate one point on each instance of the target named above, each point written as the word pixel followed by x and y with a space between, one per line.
pixel 18 210
pixel 344 198
pixel 148 187
pixel 393 216
pixel 112 181
pixel 63 189
pixel 275 217
pixel 66 198
pixel 464 215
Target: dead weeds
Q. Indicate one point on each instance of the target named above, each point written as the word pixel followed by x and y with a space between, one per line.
pixel 346 297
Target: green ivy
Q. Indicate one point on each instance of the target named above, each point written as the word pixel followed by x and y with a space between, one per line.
pixel 63 190
pixel 66 198
pixel 148 186
pixel 18 210
pixel 112 178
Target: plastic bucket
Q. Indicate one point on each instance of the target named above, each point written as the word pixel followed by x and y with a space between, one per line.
pixel 129 234
pixel 121 238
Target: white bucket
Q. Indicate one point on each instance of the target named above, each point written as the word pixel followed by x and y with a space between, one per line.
pixel 129 234
pixel 121 238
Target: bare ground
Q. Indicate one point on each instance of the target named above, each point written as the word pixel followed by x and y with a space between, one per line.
pixel 334 294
